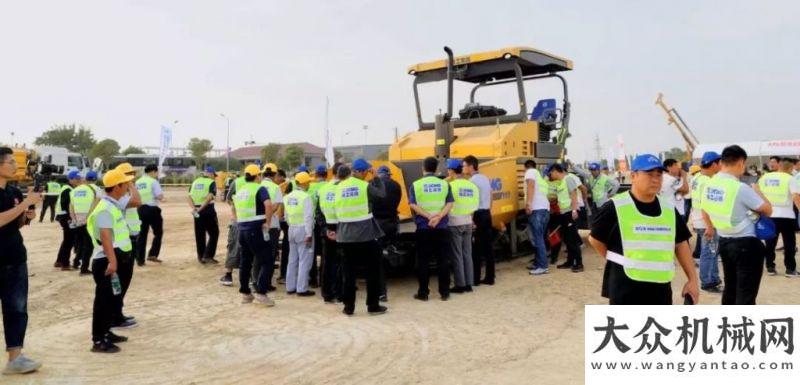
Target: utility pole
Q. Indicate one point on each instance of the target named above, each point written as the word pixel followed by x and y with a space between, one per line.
pixel 395 133
pixel 598 150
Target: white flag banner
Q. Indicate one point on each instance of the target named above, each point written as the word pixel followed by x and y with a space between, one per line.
pixel 329 154
pixel 610 159
pixel 166 142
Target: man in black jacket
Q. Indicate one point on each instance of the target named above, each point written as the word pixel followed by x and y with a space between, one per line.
pixel 385 213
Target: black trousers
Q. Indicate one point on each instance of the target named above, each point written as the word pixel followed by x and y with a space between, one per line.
pixel 49 202
pixel 366 254
pixel 284 248
pixel 84 246
pixel 206 233
pixel 742 266
pixel 332 281
pixel 274 234
pixel 67 241
pixel 151 219
pixel 389 226
pixel 482 249
pixel 104 302
pixel 125 262
pixel 785 228
pixel 569 237
pixel 314 274
pixel 433 243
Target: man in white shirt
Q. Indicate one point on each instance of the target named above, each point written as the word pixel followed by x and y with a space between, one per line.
pixel 483 223
pixel 537 207
pixel 674 185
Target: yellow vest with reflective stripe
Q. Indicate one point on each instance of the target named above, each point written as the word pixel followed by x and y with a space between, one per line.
pixel 562 193
pixel 145 187
pixel 60 211
pixel 82 198
pixel 293 205
pixel 648 243
pixel 542 187
pixel 53 188
pixel 775 187
pixel 245 203
pixel 199 191
pixel 239 182
pixel 717 200
pixel 272 189
pixel 327 202
pixel 697 187
pixel 351 201
pixel 313 188
pixel 599 191
pixel 466 198
pixel 430 193
pixel 122 238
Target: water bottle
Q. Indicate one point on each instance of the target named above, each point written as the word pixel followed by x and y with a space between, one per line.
pixel 713 245
pixel 195 214
pixel 116 286
pixel 266 234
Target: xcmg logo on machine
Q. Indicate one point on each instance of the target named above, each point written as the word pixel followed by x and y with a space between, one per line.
pixel 496 184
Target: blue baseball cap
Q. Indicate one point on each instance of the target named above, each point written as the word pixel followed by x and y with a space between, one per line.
pixel 321 169
pixel 646 162
pixel 384 170
pixel 594 166
pixel 709 157
pixel 210 170
pixel 302 168
pixel 361 165
pixel 454 164
pixel 91 175
pixel 74 174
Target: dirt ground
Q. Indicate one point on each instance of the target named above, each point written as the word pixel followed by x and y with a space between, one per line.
pixel 191 330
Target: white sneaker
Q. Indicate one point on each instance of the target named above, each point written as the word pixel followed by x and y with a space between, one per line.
pixel 21 365
pixel 539 271
pixel 247 298
pixel 264 300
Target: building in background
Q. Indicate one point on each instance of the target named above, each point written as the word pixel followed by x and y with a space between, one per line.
pixel 312 155
pixel 367 151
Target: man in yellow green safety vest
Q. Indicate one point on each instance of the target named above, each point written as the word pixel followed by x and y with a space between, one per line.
pixel 709 247
pixel 601 187
pixel 51 192
pixel 62 216
pixel 110 235
pixel 640 235
pixel 331 259
pixel 202 194
pixel 299 211
pixel 82 199
pixel 128 203
pixel 729 209
pixel 431 200
pixel 783 193
pixel 566 189
pixel 234 252
pixel 318 179
pixel 150 215
pixel 459 221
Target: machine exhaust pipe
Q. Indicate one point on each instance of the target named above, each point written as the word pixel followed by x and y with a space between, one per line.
pixel 450 68
pixel 443 125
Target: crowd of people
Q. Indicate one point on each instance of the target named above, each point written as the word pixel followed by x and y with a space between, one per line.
pixel 325 225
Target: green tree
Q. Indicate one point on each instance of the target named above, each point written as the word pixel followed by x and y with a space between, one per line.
pixel 75 138
pixel 269 153
pixel 105 150
pixel 675 153
pixel 199 148
pixel 292 157
pixel 132 150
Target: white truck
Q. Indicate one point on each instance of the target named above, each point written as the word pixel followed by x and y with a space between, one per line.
pixel 61 159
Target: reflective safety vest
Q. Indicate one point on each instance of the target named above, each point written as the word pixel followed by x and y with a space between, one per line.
pixel 327 202
pixel 272 189
pixel 82 198
pixel 648 243
pixel 122 238
pixel 430 193
pixel 60 211
pixel 351 201
pixel 98 191
pixel 600 189
pixel 775 186
pixel 697 187
pixel 238 183
pixel 465 198
pixel 245 203
pixel 717 200
pixel 313 188
pixel 542 186
pixel 145 187
pixel 562 194
pixel 53 188
pixel 199 192
pixel 293 205
pixel 133 221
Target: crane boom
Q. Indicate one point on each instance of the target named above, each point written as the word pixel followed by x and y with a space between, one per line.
pixel 674 118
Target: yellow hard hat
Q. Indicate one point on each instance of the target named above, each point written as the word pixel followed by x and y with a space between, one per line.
pixel 252 170
pixel 270 166
pixel 125 168
pixel 115 177
pixel 302 177
pixel 693 169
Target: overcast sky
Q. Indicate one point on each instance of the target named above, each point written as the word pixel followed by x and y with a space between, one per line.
pixel 126 67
